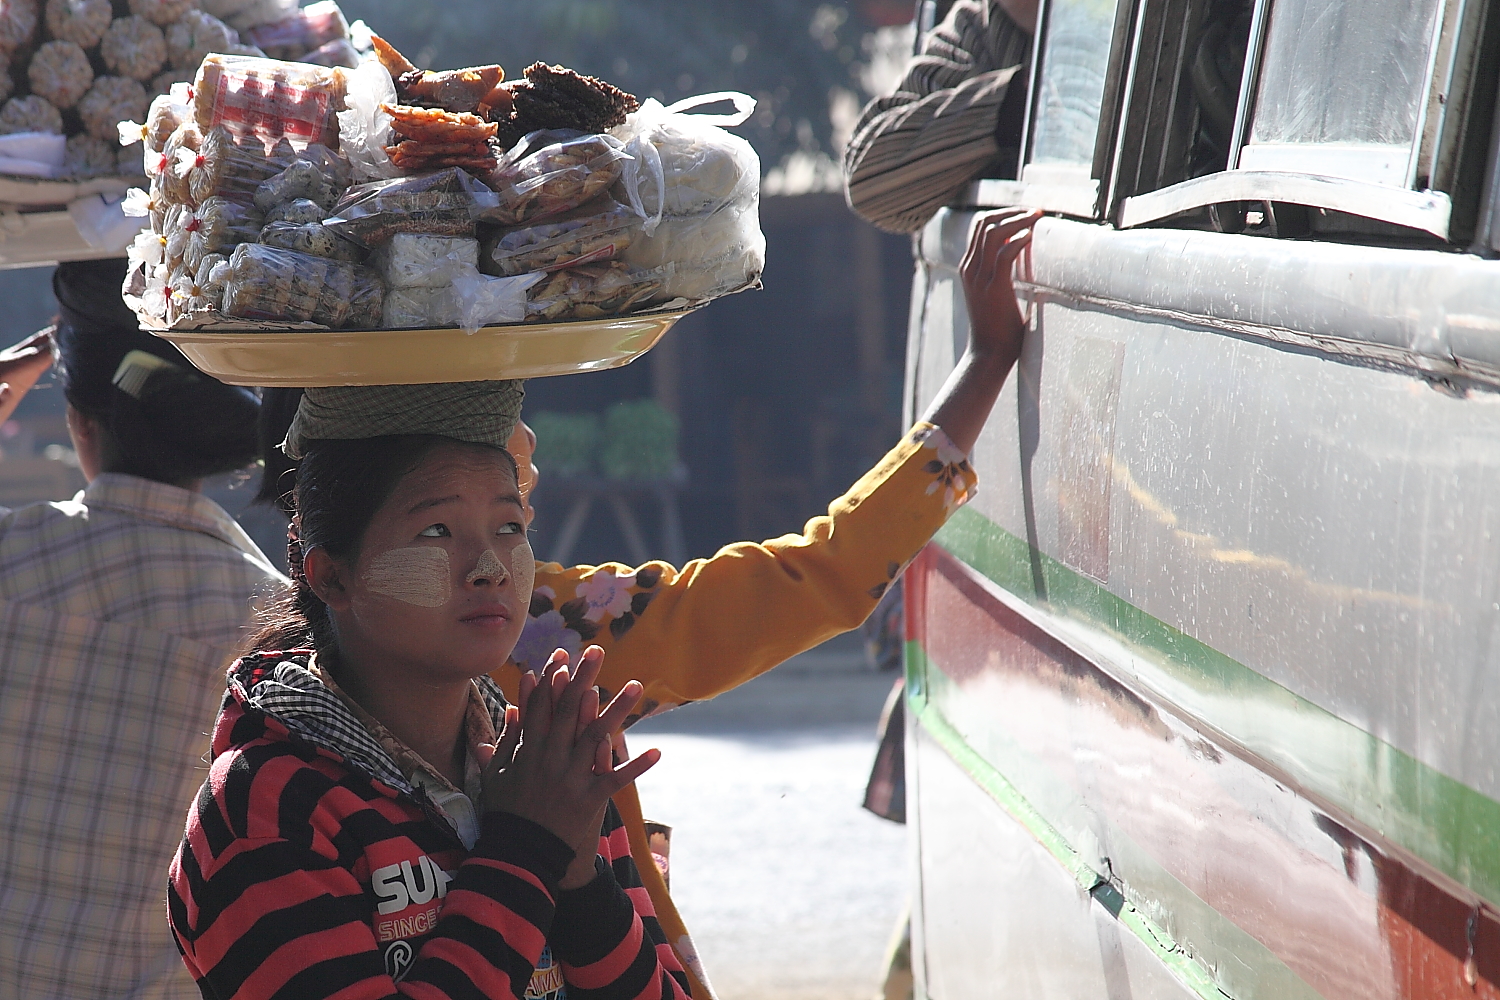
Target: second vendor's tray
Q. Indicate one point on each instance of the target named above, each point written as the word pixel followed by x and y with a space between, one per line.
pixel 412 357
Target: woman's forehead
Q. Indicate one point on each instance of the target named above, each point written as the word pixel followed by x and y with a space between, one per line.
pixel 465 470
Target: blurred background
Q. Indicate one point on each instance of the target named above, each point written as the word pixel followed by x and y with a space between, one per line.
pixel 778 398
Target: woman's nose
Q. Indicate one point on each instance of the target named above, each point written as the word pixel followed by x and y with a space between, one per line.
pixel 487 571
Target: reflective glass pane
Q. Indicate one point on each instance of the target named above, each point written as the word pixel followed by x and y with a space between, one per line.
pixel 1075 54
pixel 1349 75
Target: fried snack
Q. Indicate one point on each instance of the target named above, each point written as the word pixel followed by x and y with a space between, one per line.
pixel 556 98
pixel 134 47
pixel 61 73
pixel 264 282
pixel 431 138
pixel 451 90
pixel 592 291
pixel 314 238
pixel 552 173
pixel 88 156
pixel 600 230
pixel 446 203
pixel 416 260
pixel 17 23
pixel 30 114
pixel 194 35
pixel 111 100
pixel 270 100
pixel 159 12
pixel 82 22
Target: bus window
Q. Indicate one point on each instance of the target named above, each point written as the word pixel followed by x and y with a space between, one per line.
pixel 1342 88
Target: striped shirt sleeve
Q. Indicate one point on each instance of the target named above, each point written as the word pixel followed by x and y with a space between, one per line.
pixel 606 934
pixel 912 152
pixel 275 918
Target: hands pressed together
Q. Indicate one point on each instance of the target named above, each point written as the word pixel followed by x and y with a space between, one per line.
pixel 553 762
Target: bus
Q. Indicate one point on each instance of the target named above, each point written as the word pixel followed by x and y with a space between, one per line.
pixel 1203 686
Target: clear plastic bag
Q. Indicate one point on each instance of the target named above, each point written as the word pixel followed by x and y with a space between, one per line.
pixel 298 212
pixel 413 308
pixel 364 128
pixel 227 167
pixel 551 172
pixel 600 230
pixel 263 282
pixel 304 30
pixel 216 226
pixel 314 238
pixel 270 100
pixel 698 189
pixel 166 114
pixel 318 179
pixel 446 203
pixel 595 291
pixel 469 301
pixel 417 260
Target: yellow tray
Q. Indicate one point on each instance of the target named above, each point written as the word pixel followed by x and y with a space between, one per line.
pixel 410 357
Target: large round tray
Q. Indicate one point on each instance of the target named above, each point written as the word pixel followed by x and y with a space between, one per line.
pixel 411 357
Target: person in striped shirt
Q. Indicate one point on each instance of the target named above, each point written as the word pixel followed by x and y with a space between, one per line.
pixel 955 116
pixel 377 821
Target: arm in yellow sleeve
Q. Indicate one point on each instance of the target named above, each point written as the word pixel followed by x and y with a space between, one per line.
pixel 696 632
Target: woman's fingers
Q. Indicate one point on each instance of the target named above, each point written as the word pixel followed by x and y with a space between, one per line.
pixel 629 771
pixel 620 707
pixel 582 680
pixel 510 736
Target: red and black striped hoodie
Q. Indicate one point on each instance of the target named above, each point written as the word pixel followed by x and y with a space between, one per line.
pixel 313 868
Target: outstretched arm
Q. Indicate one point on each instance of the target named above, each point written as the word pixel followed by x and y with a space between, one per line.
pixel 696 632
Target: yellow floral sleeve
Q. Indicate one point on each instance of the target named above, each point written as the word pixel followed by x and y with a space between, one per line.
pixel 692 633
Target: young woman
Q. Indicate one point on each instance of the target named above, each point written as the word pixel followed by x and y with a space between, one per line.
pixel 376 820
pixel 119 610
pixel 693 632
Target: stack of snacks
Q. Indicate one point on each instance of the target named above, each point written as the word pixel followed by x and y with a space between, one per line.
pixel 430 139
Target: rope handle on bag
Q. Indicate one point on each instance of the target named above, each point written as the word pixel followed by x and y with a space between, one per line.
pixel 744 107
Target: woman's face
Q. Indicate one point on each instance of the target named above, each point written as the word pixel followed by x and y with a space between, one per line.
pixel 444 573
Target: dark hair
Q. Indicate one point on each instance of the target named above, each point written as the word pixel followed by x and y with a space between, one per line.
pixel 340 486
pixel 175 425
pixel 278 477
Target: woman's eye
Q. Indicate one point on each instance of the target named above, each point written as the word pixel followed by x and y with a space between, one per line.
pixel 434 531
pixel 513 528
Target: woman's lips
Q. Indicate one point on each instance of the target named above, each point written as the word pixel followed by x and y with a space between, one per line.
pixel 493 615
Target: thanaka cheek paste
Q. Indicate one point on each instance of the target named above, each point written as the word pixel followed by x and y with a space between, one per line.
pixel 523 568
pixel 488 568
pixel 416 574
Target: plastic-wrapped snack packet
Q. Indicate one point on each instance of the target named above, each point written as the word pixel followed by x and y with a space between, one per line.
pixel 111 100
pixel 82 22
pixel 594 291
pixel 485 301
pixel 89 157
pixel 298 211
pixel 446 203
pixel 413 308
pixel 150 205
pixel 189 295
pixel 217 226
pixel 134 47
pixel 230 168
pixel 600 230
pixel 166 114
pixel 269 99
pixel 182 144
pixel 161 12
pixel 60 72
pixel 304 31
pixel 551 172
pixel 698 189
pixel 30 114
pixel 263 282
pixel 18 20
pixel 418 260
pixel 320 179
pixel 314 238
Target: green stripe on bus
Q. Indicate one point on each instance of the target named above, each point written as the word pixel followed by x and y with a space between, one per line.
pixel 1218 932
pixel 1411 805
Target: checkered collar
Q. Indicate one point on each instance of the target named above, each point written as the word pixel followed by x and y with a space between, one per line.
pixel 169 505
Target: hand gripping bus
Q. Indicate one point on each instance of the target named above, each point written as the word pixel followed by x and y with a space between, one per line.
pixel 1204 686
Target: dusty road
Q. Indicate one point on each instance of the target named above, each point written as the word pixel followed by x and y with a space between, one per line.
pixel 789 888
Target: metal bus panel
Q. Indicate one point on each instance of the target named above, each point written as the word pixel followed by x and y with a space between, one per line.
pixel 1218 632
